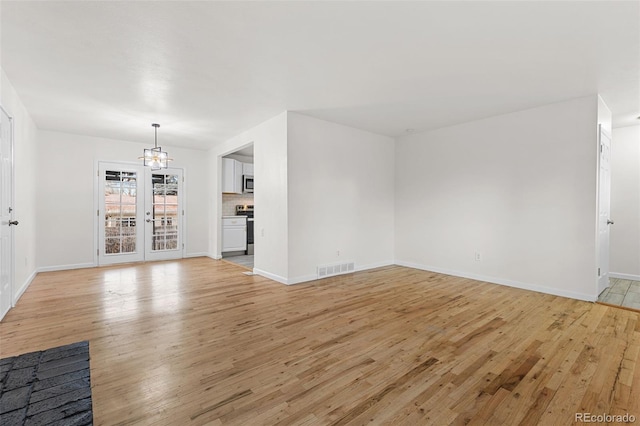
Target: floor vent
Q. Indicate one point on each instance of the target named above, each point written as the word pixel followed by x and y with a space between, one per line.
pixel 335 269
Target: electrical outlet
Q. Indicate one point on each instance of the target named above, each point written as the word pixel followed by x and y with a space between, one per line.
pixel 478 256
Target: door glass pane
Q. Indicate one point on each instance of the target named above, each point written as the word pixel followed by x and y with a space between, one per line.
pixel 120 192
pixel 165 212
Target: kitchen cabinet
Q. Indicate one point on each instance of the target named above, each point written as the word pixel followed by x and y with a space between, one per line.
pixel 231 176
pixel 247 169
pixel 234 233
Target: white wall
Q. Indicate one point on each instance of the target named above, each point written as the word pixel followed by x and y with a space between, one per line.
pixel 517 188
pixel 341 196
pixel 25 148
pixel 66 211
pixel 625 203
pixel 270 196
pixel 311 176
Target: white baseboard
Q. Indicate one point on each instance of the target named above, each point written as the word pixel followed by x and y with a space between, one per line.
pixel 314 277
pixel 2 314
pixel 271 276
pixel 303 279
pixel 374 266
pixel 92 265
pixel 624 276
pixel 66 267
pixel 202 254
pixel 214 256
pixel 24 287
pixel 501 281
pixel 18 294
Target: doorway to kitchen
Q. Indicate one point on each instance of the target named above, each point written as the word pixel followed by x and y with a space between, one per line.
pixel 237 207
pixel 140 214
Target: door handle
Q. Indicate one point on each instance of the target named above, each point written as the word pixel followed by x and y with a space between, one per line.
pixel 148 220
pixel 609 222
pixel 13 222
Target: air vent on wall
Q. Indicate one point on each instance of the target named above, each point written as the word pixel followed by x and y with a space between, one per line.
pixel 335 269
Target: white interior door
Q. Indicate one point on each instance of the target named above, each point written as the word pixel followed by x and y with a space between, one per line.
pixel 164 214
pixel 604 209
pixel 120 213
pixel 6 226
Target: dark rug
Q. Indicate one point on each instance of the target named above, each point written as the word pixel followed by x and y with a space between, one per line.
pixel 50 387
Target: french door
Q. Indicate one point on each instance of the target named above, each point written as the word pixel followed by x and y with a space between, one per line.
pixel 140 213
pixel 163 214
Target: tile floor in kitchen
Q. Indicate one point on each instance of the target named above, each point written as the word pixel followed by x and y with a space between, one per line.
pixel 242 260
pixel 623 293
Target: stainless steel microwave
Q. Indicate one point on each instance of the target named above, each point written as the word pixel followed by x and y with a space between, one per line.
pixel 247 183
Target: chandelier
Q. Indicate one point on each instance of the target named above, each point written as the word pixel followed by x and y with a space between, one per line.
pixel 155 157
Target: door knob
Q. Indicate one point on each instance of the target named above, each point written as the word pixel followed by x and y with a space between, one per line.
pixel 609 222
pixel 148 220
pixel 13 222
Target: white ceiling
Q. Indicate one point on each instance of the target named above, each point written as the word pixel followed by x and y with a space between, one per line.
pixel 209 70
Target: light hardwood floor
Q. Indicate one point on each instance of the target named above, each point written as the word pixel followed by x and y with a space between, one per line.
pixel 198 342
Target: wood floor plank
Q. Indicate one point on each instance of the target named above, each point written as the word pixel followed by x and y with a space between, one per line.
pixel 197 342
